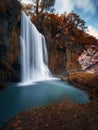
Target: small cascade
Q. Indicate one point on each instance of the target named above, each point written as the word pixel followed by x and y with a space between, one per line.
pixel 34 59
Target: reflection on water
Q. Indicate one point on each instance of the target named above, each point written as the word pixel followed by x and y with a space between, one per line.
pixel 15 98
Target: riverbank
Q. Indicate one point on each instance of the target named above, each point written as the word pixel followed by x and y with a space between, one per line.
pixel 65 115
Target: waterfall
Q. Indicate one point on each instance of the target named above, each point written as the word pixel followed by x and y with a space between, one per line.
pixel 34 61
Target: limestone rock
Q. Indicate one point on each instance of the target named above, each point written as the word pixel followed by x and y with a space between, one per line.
pixel 89 59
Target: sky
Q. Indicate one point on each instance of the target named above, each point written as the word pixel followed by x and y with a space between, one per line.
pixel 87 9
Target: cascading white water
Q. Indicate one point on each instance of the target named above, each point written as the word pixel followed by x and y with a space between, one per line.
pixel 34 61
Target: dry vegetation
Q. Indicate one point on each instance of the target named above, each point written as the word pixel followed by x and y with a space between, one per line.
pixel 64 116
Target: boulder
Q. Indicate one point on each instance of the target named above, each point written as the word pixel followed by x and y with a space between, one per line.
pixel 85 81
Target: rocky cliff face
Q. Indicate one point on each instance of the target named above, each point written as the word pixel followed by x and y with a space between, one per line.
pixel 9 30
pixel 89 59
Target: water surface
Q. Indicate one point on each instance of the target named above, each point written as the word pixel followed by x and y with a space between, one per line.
pixel 15 98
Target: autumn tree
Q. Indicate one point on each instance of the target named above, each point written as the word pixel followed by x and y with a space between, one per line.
pixel 69 34
pixel 41 8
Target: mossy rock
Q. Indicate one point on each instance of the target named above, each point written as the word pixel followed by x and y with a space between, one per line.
pixel 10 11
pixel 85 81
